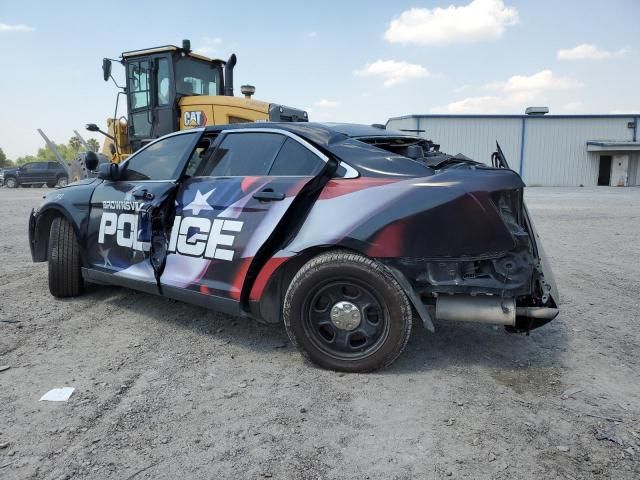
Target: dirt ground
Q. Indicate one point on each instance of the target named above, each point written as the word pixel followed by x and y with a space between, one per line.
pixel 167 390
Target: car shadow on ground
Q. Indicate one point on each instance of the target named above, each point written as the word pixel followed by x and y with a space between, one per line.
pixel 454 344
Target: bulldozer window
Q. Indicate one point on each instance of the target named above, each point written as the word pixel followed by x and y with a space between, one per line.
pixel 139 84
pixel 196 77
pixel 163 82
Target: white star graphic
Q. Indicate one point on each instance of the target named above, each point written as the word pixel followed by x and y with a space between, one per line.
pixel 200 202
pixel 105 256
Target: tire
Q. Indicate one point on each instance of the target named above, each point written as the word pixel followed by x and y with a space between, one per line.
pixel 65 279
pixel 11 182
pixel 62 181
pixel 362 341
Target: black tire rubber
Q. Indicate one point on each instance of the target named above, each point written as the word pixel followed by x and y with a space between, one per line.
pixel 11 182
pixel 62 181
pixel 65 279
pixel 346 264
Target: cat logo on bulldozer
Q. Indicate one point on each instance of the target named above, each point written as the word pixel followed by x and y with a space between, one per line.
pixel 195 119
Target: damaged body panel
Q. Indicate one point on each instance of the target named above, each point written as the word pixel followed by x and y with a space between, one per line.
pixel 336 228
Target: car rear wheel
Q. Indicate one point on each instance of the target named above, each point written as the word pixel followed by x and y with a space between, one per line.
pixel 346 312
pixel 62 182
pixel 11 182
pixel 65 279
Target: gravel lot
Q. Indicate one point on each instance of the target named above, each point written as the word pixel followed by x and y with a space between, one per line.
pixel 164 389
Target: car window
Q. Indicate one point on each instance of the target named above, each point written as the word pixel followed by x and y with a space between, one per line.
pixel 159 161
pixel 54 165
pixel 294 159
pixel 198 156
pixel 243 154
pixel 29 166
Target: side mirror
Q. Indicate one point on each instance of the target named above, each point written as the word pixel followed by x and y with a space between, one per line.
pixel 91 160
pixel 107 171
pixel 106 69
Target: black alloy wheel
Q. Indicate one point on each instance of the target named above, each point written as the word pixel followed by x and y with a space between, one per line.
pixel 345 319
pixel 347 312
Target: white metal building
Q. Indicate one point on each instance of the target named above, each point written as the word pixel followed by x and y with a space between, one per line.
pixel 561 150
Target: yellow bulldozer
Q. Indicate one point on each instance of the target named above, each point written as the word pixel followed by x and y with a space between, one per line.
pixel 172 88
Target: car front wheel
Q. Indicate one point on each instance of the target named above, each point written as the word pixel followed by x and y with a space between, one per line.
pixel 11 182
pixel 65 279
pixel 346 312
pixel 62 182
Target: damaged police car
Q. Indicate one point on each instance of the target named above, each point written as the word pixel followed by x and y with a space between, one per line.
pixel 342 231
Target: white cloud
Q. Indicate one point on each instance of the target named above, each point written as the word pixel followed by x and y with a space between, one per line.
pixel 575 106
pixel 210 46
pixel 514 94
pixel 586 51
pixel 488 104
pixel 393 71
pixel 16 27
pixel 625 110
pixel 543 80
pixel 477 21
pixel 312 34
pixel 461 88
pixel 325 103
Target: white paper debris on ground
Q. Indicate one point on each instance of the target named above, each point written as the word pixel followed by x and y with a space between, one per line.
pixel 58 394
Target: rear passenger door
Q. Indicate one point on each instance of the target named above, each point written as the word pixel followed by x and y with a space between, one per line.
pixel 53 170
pixel 229 208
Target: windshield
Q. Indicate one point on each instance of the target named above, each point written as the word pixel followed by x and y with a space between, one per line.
pixel 195 77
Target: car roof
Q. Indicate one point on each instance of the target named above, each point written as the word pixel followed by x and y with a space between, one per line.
pixel 323 134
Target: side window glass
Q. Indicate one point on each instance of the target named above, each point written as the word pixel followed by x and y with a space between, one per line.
pixel 198 156
pixel 243 154
pixel 139 84
pixel 159 161
pixel 295 159
pixel 163 82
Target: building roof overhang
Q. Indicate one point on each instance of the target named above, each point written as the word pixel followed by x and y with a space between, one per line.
pixel 612 146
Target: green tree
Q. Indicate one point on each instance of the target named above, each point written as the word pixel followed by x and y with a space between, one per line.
pixel 93 144
pixel 75 143
pixel 4 161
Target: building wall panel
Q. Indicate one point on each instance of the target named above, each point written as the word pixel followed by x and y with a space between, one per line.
pixel 555 152
pixel 555 148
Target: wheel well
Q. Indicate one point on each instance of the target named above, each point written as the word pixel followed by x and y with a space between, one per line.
pixel 272 299
pixel 43 228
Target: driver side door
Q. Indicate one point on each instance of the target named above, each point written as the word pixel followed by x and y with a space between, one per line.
pixel 126 231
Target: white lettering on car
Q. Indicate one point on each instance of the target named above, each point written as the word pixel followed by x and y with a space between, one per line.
pixel 192 236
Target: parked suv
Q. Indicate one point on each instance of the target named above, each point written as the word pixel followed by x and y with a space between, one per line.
pixel 35 173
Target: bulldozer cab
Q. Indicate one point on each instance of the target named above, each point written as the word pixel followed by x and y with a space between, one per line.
pixel 172 88
pixel 156 80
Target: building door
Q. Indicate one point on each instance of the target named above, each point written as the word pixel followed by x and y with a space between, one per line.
pixel 620 170
pixel 604 172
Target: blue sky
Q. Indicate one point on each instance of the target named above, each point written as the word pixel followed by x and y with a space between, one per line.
pixel 355 61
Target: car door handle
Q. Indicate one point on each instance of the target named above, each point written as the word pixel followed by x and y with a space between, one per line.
pixel 268 195
pixel 144 194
